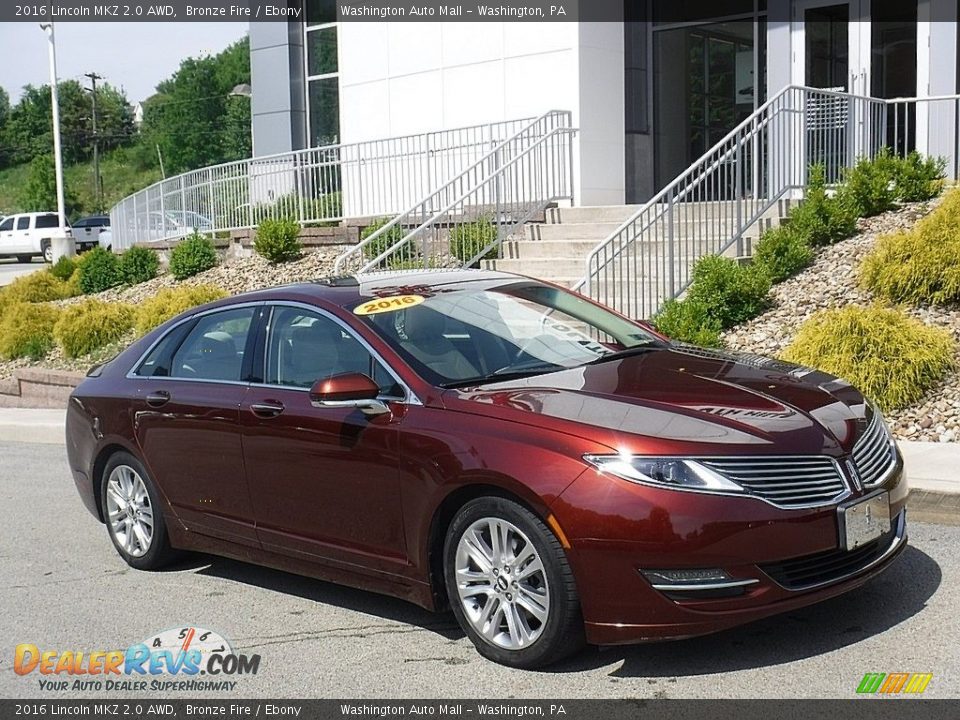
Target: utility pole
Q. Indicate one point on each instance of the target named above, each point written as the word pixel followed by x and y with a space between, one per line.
pixel 98 188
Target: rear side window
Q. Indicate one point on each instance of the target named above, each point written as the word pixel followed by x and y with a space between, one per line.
pixel 23 223
pixel 214 348
pixel 47 221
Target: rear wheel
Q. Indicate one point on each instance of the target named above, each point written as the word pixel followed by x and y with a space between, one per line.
pixel 510 585
pixel 132 513
pixel 47 249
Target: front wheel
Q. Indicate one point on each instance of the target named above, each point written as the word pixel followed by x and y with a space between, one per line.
pixel 510 585
pixel 24 259
pixel 131 509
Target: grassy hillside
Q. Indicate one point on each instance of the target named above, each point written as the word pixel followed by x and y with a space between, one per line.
pixel 121 177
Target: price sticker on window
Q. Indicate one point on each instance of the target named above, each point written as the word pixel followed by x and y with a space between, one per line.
pixel 388 304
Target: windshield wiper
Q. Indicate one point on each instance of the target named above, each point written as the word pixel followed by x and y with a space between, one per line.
pixel 502 375
pixel 625 353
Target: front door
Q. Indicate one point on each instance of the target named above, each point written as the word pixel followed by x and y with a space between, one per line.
pixel 187 423
pixel 324 481
pixel 831 51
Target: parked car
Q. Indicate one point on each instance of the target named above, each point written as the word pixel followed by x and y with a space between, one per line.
pixel 29 235
pixel 175 224
pixel 88 231
pixel 554 472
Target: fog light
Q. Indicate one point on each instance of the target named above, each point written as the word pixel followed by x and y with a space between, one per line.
pixel 686 576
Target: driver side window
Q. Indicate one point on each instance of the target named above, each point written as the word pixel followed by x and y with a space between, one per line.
pixel 305 346
pixel 214 348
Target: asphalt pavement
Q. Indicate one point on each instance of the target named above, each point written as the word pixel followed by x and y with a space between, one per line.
pixel 63 587
pixel 10 269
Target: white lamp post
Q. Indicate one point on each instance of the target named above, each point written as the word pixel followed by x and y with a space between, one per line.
pixel 62 244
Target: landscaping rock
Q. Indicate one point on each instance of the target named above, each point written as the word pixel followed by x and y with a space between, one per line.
pixel 832 282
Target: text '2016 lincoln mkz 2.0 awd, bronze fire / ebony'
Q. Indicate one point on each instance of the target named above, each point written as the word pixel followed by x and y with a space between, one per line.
pixel 553 472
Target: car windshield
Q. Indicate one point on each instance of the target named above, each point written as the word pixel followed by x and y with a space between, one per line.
pixel 477 334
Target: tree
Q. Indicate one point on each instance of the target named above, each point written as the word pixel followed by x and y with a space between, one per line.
pixel 4 115
pixel 29 128
pixel 193 118
pixel 39 193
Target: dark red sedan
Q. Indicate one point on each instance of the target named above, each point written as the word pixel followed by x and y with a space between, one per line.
pixel 553 472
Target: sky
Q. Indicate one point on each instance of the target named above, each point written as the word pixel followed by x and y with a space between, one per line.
pixel 133 56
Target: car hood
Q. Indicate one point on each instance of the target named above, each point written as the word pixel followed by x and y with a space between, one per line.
pixel 677 400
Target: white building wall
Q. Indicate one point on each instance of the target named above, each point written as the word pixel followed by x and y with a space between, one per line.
pixel 400 78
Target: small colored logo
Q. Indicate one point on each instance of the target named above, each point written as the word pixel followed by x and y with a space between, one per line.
pixel 894 683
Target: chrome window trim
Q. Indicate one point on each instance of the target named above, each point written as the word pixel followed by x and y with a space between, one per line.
pixel 410 397
pixel 900 537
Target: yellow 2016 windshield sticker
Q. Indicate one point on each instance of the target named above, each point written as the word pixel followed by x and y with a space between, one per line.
pixel 388 304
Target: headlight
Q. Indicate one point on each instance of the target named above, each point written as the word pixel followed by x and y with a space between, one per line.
pixel 674 473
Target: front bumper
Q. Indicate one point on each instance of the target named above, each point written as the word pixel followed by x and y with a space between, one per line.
pixel 749 540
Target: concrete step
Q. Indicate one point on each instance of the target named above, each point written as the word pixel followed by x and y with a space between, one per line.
pixel 576 267
pixel 621 213
pixel 579 250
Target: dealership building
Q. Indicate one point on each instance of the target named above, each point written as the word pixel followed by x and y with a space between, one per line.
pixel 649 95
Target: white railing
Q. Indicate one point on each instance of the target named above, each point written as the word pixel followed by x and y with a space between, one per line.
pixel 713 205
pixel 470 216
pixel 318 185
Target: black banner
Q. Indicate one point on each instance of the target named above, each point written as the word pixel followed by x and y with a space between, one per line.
pixel 854 709
pixel 662 11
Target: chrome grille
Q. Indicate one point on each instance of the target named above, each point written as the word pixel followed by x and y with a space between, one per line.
pixel 874 454
pixel 785 481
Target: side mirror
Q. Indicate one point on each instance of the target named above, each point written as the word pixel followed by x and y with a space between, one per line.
pixel 350 390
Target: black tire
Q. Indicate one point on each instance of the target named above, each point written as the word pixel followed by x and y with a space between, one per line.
pixel 159 553
pixel 24 258
pixel 47 249
pixel 562 633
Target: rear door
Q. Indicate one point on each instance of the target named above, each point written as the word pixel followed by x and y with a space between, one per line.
pixel 187 421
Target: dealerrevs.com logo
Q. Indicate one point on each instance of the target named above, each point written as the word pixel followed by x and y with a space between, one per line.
pixel 188 658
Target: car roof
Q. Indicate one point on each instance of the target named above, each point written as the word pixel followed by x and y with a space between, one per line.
pixel 348 290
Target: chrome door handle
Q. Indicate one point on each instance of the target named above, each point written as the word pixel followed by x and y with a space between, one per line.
pixel 266 409
pixel 156 399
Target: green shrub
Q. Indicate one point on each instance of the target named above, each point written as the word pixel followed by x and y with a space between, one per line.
pixel 139 264
pixel 920 265
pixel 63 268
pixel 729 293
pixel 99 271
pixel 26 330
pixel 870 184
pixel 891 357
pixel 278 240
pixel 36 287
pixel 820 218
pixel 469 239
pixel 192 255
pixel 91 325
pixel 782 253
pixel 169 303
pixel 385 241
pixel 688 321
pixel 918 178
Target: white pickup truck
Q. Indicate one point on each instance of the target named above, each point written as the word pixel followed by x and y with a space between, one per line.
pixel 29 235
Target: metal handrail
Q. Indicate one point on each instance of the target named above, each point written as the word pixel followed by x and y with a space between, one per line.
pixel 648 259
pixel 315 185
pixel 539 129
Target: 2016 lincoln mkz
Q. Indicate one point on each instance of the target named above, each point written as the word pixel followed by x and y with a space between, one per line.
pixel 552 471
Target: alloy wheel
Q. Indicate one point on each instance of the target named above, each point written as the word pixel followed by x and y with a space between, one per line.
pixel 129 511
pixel 502 584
